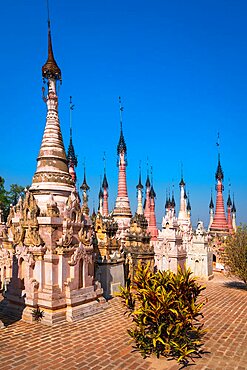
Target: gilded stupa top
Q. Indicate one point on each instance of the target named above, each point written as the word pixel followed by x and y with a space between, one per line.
pixel 50 69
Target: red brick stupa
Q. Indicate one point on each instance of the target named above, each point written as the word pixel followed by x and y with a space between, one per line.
pixel 219 224
pixel 122 213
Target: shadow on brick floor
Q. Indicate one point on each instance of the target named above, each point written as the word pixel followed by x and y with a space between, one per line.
pixel 236 285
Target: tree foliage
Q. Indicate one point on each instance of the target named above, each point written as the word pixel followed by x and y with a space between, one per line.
pixel 235 253
pixel 4 201
pixel 165 312
pixel 9 197
pixel 15 192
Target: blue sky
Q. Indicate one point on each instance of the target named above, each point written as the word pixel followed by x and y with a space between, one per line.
pixel 180 68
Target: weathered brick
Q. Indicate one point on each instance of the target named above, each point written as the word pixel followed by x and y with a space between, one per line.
pixel 101 341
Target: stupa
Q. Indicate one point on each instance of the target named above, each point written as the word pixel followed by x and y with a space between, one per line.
pixel 48 238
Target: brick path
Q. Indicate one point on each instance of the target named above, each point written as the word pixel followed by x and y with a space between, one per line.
pixel 101 341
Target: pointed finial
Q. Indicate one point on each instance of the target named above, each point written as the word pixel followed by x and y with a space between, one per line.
pixel 50 69
pixel 188 204
pixel 121 144
pixel 211 204
pixel 152 192
pixel 173 204
pixel 104 183
pixel 148 184
pixel 182 183
pixel 84 186
pixel 233 204
pixel 166 203
pixel 140 186
pixel 100 189
pixel 219 175
pixel 71 156
pixel 104 161
pixel 48 14
pixel 218 145
pixel 120 111
pixel 229 201
pixel 71 107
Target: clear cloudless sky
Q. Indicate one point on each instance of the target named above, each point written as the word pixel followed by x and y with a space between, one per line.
pixel 180 68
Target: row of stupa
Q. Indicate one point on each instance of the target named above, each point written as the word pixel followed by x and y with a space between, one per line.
pixel 220 223
pixel 54 256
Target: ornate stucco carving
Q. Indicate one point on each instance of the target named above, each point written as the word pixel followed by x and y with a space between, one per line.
pixel 67 237
pixel 73 209
pixel 32 237
pixel 30 209
pixel 85 236
pixel 18 234
pixel 53 177
pixel 79 253
pixel 23 252
pixel 6 257
pixel 52 208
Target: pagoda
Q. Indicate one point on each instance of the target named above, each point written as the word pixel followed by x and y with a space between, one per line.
pixel 152 226
pixel 184 220
pixel 219 225
pixel 48 239
pixel 169 248
pixel 122 213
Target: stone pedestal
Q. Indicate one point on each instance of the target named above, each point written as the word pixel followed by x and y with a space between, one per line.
pixel 53 267
pixel 109 266
pixel 111 276
pixel 138 246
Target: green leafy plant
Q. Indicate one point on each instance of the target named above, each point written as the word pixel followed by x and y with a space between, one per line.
pixel 164 309
pixel 234 254
pixel 38 314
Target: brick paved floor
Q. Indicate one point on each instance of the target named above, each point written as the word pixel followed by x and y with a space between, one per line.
pixel 101 341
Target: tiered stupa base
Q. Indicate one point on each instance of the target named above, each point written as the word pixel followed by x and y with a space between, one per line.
pixel 80 304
